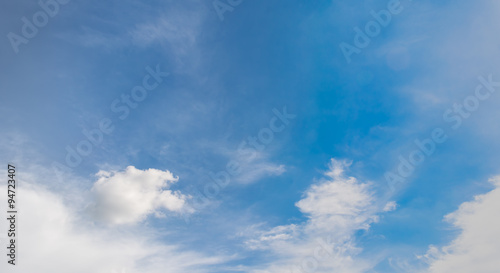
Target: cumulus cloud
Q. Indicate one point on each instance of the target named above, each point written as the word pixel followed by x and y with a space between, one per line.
pixel 339 203
pixel 54 238
pixel 129 196
pixel 336 207
pixel 476 249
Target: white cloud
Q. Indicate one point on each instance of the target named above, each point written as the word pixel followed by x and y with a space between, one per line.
pixel 339 203
pixel 54 239
pixel 177 30
pixel 174 29
pixel 390 206
pixel 254 165
pixel 130 196
pixel 263 237
pixel 337 207
pixel 477 248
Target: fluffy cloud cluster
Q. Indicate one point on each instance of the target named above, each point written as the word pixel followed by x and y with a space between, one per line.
pixel 477 248
pixel 54 238
pixel 128 197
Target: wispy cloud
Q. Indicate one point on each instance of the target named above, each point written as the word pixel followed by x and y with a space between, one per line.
pixel 255 165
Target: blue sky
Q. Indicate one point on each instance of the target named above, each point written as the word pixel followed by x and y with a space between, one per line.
pixel 142 198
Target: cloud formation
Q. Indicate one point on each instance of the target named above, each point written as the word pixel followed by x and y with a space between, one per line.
pixel 53 237
pixel 254 165
pixel 336 207
pixel 476 248
pixel 129 196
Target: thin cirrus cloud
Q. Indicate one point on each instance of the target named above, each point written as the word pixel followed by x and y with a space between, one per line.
pixel 129 196
pixel 255 165
pixel 176 31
